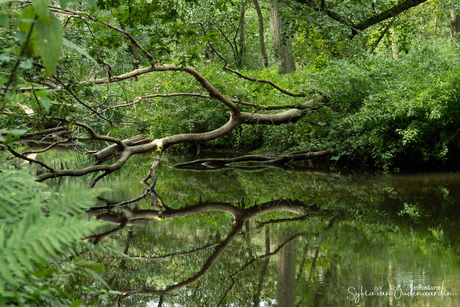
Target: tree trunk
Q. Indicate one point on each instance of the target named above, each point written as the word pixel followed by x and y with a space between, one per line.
pixel 382 34
pixel 286 271
pixel 454 26
pixel 263 50
pixel 394 44
pixel 240 55
pixel 281 40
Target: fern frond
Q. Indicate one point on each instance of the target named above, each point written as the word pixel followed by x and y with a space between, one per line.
pixel 38 225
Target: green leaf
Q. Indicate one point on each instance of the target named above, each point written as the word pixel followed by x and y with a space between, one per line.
pixel 41 93
pixel 25 24
pixel 13 135
pixel 49 42
pixel 6 273
pixel 2 236
pixel 14 266
pixel 27 64
pixel 63 3
pixel 25 261
pixel 92 3
pixel 42 10
pixel 5 57
pixel 27 19
pixel 2 290
pixel 5 21
pixel 45 103
pixel 78 49
pixel 76 303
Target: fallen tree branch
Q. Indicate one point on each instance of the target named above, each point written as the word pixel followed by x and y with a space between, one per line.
pixel 254 160
pixel 23 157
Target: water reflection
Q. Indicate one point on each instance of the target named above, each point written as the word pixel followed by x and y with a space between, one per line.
pixel 229 238
pixel 280 238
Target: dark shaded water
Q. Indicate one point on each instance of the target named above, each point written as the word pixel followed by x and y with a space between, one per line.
pixel 272 237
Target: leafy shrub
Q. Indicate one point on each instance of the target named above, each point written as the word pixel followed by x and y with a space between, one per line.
pixel 390 110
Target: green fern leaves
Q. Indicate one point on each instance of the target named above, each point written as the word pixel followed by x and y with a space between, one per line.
pixel 39 228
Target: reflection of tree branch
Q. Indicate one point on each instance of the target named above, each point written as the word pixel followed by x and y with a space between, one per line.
pixel 47 148
pixel 146 216
pixel 206 267
pixel 271 222
pixel 252 160
pixel 313 264
pixel 94 210
pixel 252 261
pixel 315 258
pixel 301 267
pixel 127 216
pixel 239 213
pixel 174 254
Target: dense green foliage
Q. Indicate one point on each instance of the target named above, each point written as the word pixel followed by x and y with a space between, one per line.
pixel 392 88
pixel 40 243
pixel 383 111
pixel 389 111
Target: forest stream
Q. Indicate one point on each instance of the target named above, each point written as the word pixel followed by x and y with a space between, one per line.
pixel 278 237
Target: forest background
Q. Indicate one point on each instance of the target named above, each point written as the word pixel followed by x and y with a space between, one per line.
pixel 372 83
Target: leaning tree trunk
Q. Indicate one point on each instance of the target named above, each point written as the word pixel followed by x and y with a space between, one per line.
pixel 281 40
pixel 454 26
pixel 263 50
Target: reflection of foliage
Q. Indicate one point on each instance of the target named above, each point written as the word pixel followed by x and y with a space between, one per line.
pixel 39 230
pixel 371 236
pixel 371 241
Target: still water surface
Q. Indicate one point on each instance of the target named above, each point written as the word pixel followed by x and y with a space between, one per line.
pixel 274 237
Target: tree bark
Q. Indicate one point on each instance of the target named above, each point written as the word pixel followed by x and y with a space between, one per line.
pixel 263 50
pixel 281 40
pixel 454 27
pixel 394 44
pixel 382 34
pixel 240 55
pixel 360 26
